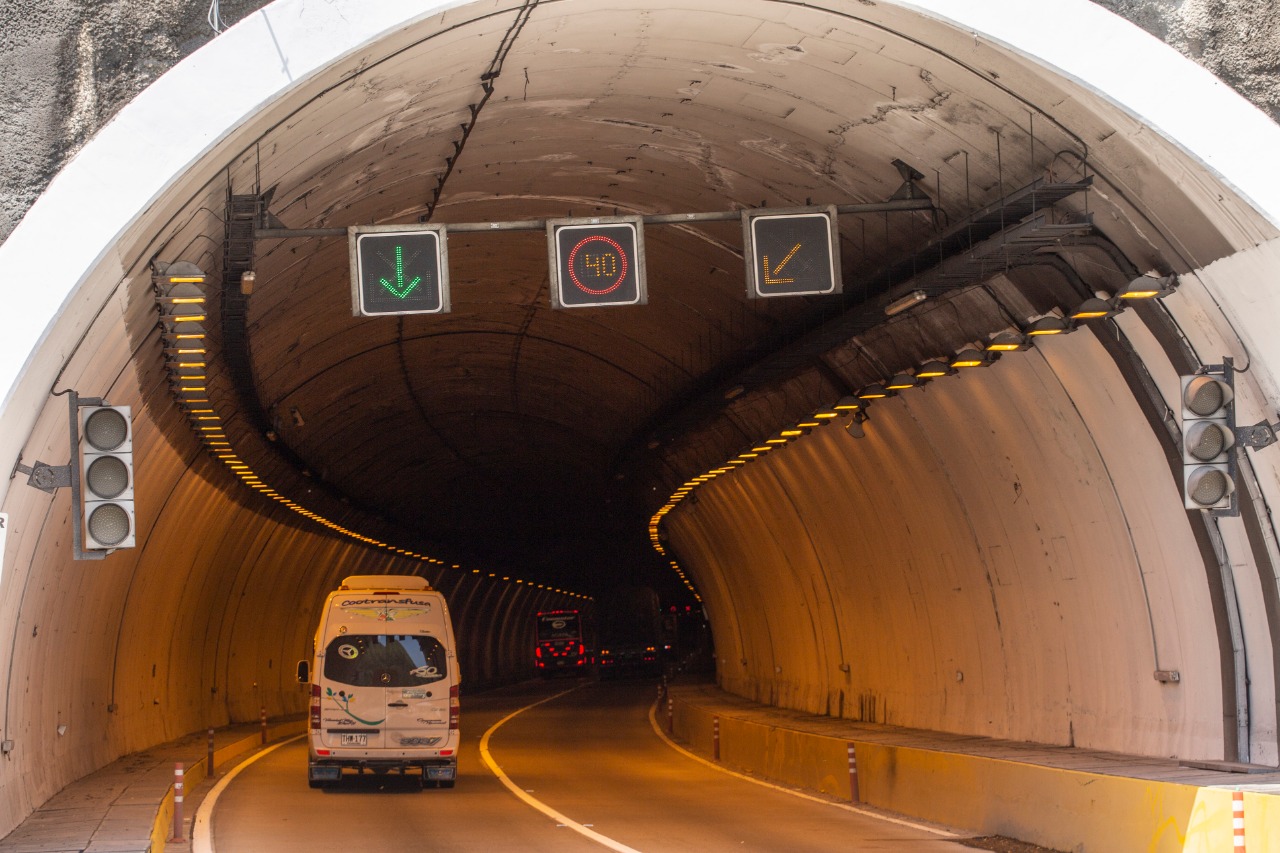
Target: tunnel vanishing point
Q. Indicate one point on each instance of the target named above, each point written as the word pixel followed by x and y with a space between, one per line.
pixel 1002 550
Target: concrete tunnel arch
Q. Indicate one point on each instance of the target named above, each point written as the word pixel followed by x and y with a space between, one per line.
pixel 1055 512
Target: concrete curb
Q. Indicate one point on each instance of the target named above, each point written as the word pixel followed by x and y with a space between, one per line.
pixel 196 773
pixel 1053 806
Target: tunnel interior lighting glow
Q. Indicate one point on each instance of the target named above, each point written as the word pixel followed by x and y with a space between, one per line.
pixel 180 291
pixel 1148 287
pixel 971 358
pixel 179 301
pixel 901 382
pixel 848 404
pixel 1049 325
pixel 874 391
pixel 1009 342
pixel 934 369
pixel 1093 308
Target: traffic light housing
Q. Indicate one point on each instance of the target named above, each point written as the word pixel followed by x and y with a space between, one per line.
pixel 106 477
pixel 1208 439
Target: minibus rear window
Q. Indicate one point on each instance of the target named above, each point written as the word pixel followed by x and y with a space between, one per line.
pixel 384 660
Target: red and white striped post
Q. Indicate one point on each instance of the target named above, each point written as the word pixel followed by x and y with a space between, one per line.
pixel 263 717
pixel 177 802
pixel 208 764
pixel 853 773
pixel 715 738
pixel 1237 821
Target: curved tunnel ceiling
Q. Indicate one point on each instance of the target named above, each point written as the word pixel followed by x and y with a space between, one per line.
pixel 513 428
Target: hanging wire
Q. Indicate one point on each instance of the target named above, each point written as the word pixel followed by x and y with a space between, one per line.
pixel 214 17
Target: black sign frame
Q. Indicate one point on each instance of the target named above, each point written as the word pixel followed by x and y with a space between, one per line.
pixel 363 305
pixel 566 237
pixel 780 264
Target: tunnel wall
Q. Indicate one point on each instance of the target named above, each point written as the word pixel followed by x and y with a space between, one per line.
pixel 1004 553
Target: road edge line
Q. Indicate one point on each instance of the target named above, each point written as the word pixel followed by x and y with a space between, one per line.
pixel 862 810
pixel 202 826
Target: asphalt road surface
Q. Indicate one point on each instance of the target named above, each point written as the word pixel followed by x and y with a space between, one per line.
pixel 586 770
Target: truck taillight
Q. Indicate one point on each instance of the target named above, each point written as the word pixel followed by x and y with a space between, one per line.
pixel 453 707
pixel 315 707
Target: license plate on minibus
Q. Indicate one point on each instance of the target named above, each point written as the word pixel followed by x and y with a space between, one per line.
pixel 354 740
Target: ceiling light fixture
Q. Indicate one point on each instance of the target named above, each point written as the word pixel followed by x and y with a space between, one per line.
pixel 971 358
pixel 854 426
pixel 902 303
pixel 1148 287
pixel 934 369
pixel 1049 325
pixel 1009 342
pixel 1093 308
pixel 848 404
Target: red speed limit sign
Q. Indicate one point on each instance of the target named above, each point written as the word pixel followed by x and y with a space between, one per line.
pixel 597 261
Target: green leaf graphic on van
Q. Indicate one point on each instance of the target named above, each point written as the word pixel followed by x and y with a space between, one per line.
pixel 342 699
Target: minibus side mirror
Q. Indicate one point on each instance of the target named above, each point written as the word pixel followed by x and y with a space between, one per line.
pixel 304 672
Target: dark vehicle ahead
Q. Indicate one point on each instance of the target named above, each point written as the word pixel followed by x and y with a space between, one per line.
pixel 560 647
pixel 628 660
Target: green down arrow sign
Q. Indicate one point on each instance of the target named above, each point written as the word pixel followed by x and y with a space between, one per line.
pixel 400 290
pixel 398 270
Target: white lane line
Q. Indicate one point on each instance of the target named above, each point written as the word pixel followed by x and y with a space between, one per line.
pixel 202 831
pixel 561 820
pixel 653 721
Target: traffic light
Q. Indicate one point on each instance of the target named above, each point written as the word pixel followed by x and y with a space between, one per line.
pixel 399 269
pixel 1208 436
pixel 106 477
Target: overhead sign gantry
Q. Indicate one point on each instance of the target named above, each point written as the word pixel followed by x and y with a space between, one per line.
pixel 596 261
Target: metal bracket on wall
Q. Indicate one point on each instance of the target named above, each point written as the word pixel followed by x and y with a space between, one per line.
pixel 45 477
pixel 1259 435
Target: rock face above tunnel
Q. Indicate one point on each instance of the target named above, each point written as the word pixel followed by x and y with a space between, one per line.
pixel 1238 40
pixel 69 65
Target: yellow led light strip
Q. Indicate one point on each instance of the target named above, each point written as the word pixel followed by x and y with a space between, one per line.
pixel 207 426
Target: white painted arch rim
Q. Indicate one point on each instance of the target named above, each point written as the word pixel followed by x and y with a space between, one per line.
pixel 183 116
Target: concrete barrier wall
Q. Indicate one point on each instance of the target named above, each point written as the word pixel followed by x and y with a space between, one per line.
pixel 1057 808
pixel 194 775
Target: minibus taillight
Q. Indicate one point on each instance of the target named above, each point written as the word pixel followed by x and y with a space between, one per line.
pixel 315 707
pixel 453 707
